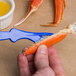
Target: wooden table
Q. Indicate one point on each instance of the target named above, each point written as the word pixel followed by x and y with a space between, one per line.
pixel 66 48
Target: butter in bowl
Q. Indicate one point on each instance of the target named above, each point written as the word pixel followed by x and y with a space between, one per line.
pixel 6 12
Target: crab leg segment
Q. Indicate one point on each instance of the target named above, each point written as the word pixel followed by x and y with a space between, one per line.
pixel 34 4
pixel 48 42
pixel 59 10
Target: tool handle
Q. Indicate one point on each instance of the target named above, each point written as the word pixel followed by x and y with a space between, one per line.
pixel 4 35
pixel 16 34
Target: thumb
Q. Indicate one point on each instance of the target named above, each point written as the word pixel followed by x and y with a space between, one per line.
pixel 41 57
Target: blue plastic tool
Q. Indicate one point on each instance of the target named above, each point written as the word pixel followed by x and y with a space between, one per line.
pixel 16 34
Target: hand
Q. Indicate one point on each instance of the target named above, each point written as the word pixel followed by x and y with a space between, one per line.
pixel 46 62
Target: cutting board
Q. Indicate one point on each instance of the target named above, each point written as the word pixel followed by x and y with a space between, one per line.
pixel 45 14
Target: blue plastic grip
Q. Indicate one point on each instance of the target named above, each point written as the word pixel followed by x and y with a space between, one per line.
pixel 16 34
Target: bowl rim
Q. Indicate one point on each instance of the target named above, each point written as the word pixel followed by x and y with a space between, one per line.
pixel 11 10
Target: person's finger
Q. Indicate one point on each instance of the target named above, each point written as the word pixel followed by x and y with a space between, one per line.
pixel 55 62
pixel 41 57
pixel 30 59
pixel 23 65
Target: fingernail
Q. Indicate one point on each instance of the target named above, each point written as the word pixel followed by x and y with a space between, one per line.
pixel 42 49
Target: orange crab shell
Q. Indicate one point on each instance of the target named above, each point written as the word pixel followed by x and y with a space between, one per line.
pixel 51 40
